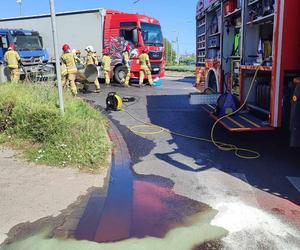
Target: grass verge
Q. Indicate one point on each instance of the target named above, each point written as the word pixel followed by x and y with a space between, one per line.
pixel 181 68
pixel 30 121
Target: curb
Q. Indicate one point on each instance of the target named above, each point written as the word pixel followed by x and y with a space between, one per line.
pixel 102 213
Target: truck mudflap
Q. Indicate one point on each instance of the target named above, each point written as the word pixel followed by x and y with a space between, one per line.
pixel 295 116
pixel 244 122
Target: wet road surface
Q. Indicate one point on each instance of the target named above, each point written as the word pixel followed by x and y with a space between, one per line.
pixel 193 166
pixel 169 192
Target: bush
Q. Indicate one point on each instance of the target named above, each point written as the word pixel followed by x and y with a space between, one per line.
pixel 6 120
pixel 29 115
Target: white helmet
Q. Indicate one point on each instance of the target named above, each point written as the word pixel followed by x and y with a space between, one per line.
pixel 74 51
pixel 89 49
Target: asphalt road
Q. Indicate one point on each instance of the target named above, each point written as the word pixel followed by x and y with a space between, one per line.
pixel 257 201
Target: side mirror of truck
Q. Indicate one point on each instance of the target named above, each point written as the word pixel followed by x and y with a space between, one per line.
pixel 135 36
pixel 4 42
pixel 41 41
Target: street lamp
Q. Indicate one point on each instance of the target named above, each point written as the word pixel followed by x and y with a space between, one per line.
pixel 173 42
pixel 20 6
pixel 177 39
pixel 177 47
pixel 57 59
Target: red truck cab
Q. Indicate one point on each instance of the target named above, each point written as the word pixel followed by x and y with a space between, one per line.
pixel 140 31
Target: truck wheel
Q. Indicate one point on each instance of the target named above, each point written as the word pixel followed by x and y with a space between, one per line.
pixel 3 73
pixel 212 82
pixel 120 74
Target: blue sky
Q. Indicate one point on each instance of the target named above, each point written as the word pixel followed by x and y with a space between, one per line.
pixel 176 17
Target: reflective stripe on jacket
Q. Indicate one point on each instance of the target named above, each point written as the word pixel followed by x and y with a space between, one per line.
pixel 12 59
pixel 126 58
pixel 69 60
pixel 106 61
pixel 144 61
pixel 91 58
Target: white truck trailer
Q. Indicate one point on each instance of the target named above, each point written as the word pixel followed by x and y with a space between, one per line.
pixel 99 28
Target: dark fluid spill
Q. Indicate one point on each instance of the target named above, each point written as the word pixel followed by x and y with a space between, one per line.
pixel 135 207
pixel 157 209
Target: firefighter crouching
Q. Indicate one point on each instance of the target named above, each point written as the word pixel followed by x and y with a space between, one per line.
pixel 126 62
pixel 69 69
pixel 12 58
pixel 145 67
pixel 106 61
pixel 91 58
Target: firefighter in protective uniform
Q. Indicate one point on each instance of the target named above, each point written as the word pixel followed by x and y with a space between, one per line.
pixel 106 61
pixel 126 62
pixel 12 58
pixel 69 64
pixel 78 59
pixel 91 58
pixel 145 67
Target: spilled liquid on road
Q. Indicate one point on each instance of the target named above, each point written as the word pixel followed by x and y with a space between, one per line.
pixel 138 212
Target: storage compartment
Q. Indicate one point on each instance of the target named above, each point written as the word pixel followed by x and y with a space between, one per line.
pixel 213 42
pixel 201 40
pixel 259 44
pixel 229 6
pixel 259 100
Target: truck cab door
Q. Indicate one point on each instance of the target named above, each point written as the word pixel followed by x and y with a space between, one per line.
pixel 3 49
pixel 3 46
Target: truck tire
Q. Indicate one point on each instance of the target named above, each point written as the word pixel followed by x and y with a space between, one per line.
pixel 3 73
pixel 212 82
pixel 120 74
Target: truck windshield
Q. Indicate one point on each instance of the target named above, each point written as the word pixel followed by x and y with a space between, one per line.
pixel 28 42
pixel 152 34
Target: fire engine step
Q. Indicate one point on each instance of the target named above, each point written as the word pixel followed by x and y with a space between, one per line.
pixel 239 123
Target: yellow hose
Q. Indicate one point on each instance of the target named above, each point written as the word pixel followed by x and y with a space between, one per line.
pixel 239 152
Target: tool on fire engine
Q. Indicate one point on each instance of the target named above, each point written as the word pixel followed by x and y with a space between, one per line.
pixel 227 103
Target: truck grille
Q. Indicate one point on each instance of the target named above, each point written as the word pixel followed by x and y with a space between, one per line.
pixel 156 55
pixel 31 60
pixel 155 68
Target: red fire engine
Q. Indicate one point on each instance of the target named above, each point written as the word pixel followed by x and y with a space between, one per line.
pixel 237 37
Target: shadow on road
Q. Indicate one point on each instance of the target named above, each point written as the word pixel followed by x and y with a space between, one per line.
pixel 268 173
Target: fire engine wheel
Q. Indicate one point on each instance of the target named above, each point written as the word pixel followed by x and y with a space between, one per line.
pixel 212 82
pixel 120 74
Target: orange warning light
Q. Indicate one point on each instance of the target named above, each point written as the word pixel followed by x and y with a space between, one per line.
pixel 295 98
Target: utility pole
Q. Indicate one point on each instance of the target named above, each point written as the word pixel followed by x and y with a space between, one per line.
pixel 177 41
pixel 57 59
pixel 20 6
pixel 172 51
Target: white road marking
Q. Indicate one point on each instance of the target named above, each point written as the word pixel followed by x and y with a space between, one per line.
pixel 295 182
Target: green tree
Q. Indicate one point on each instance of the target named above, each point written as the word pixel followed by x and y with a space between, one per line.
pixel 170 54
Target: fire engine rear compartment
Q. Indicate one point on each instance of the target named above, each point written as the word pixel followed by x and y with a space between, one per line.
pixel 243 35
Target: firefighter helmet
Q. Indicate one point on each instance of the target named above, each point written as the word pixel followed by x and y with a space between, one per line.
pixel 127 47
pixel 145 50
pixel 105 51
pixel 89 49
pixel 66 47
pixel 12 46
